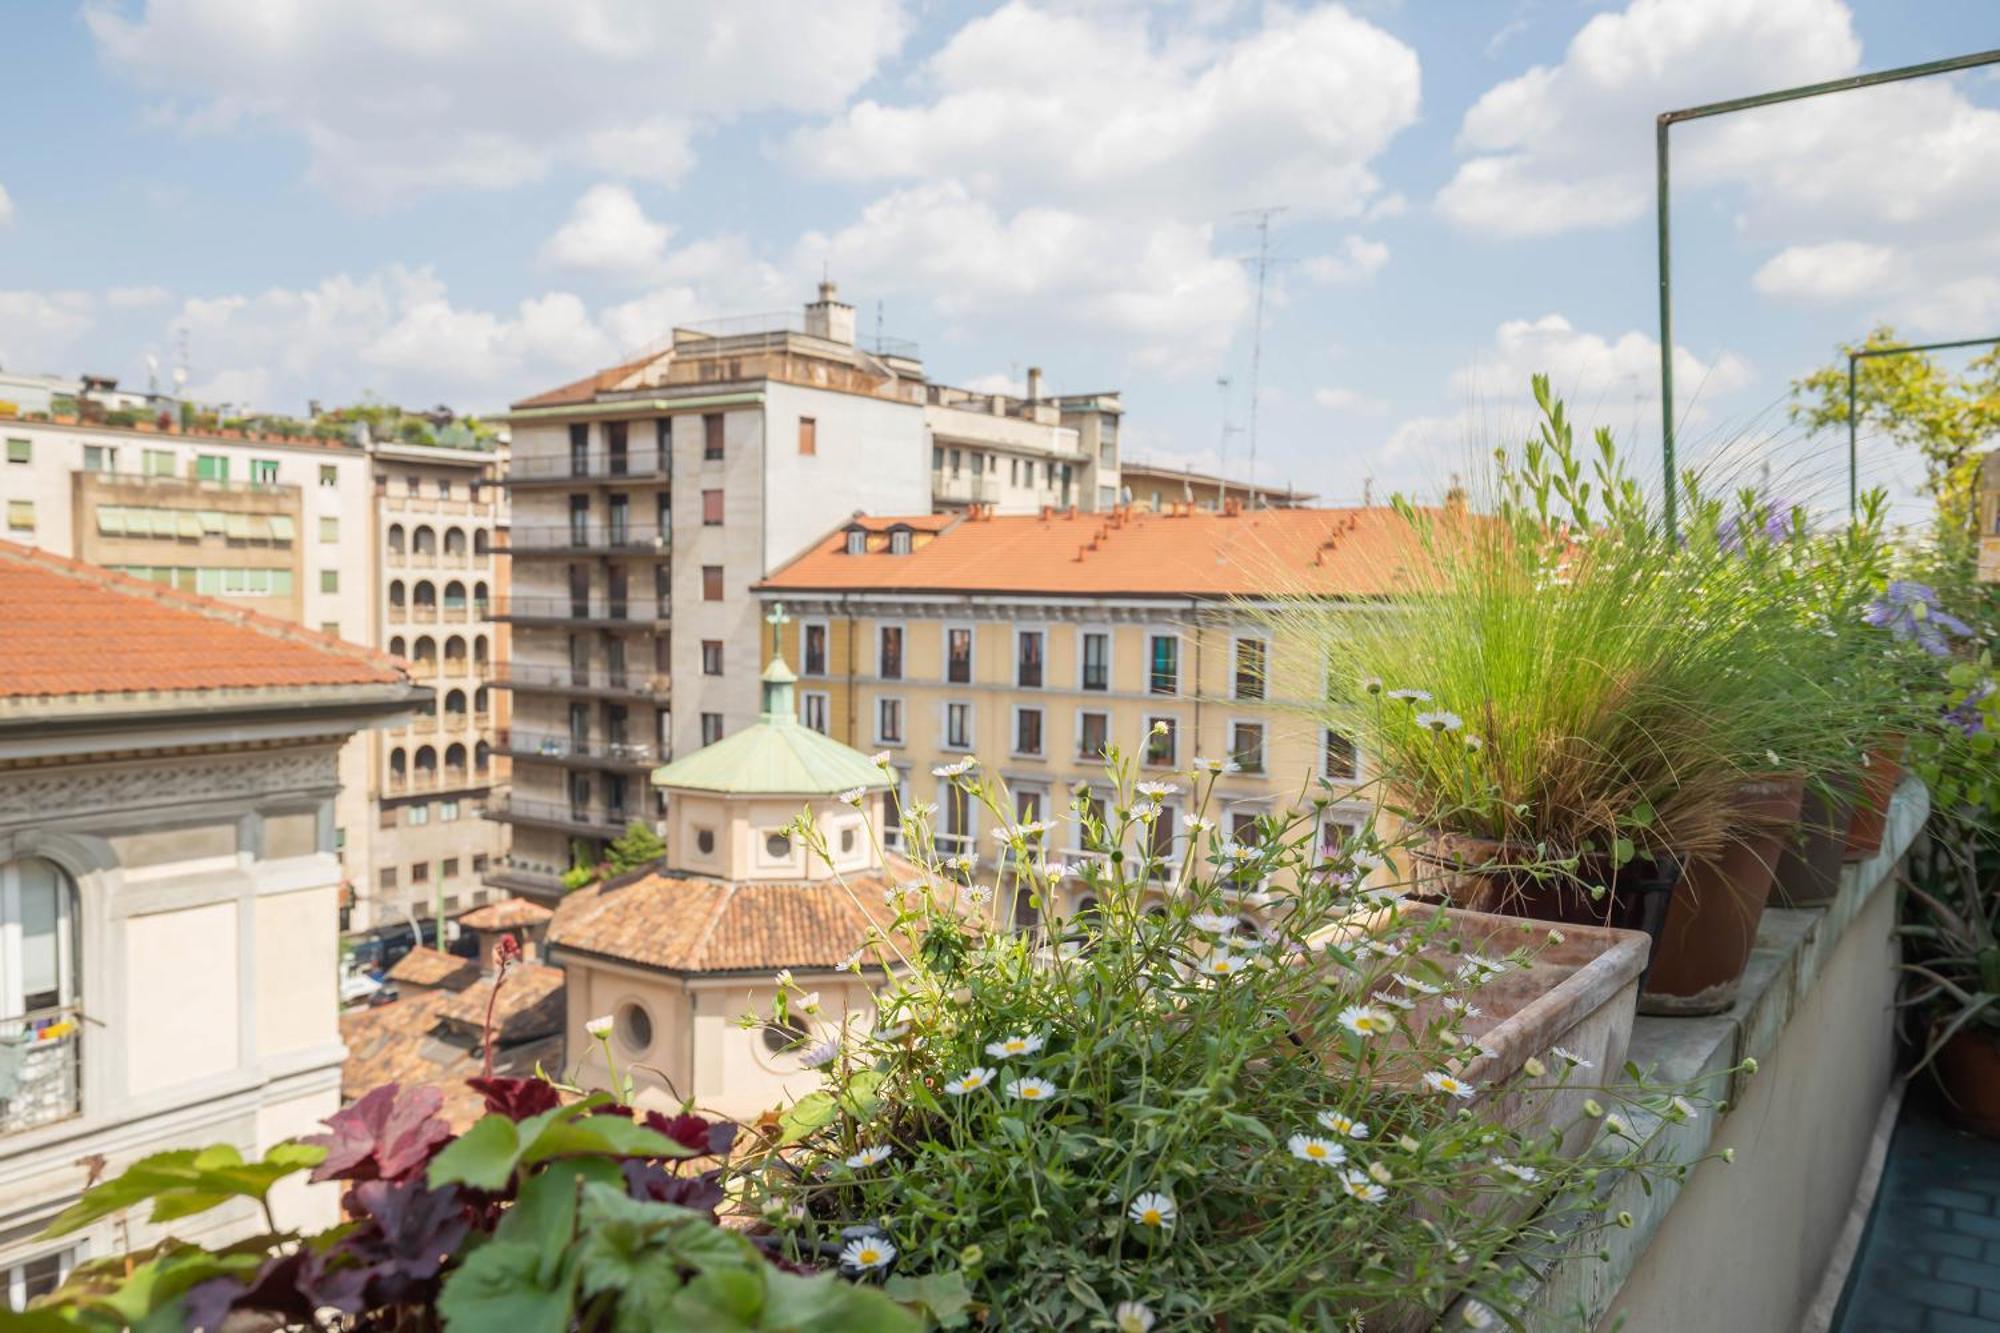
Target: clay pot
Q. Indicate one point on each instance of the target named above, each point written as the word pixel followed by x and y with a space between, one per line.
pixel 1809 871
pixel 1968 1067
pixel 1712 921
pixel 1880 777
pixel 1482 875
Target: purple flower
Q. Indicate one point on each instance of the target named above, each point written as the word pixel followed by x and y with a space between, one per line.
pixel 1780 516
pixel 1966 714
pixel 1910 611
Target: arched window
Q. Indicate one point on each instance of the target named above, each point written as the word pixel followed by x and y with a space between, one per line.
pixel 454 763
pixel 479 650
pixel 399 767
pixel 39 979
pixel 427 763
pixel 482 757
pixel 426 598
pixel 396 594
pixel 395 539
pixel 454 544
pixel 482 542
pixel 397 648
pixel 454 654
pixel 454 598
pixel 479 601
pixel 424 541
pixel 479 701
pixel 454 705
pixel 427 650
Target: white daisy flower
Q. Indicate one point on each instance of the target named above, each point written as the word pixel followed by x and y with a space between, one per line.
pixel 895 1033
pixel 1031 1090
pixel 971 1081
pixel 1223 963
pixel 921 810
pixel 1033 828
pixel 964 863
pixel 1478 970
pixel 1402 1002
pixel 1440 721
pixel 1248 943
pixel 977 894
pixel 1463 1007
pixel 809 1002
pixel 1365 861
pixel 881 759
pixel 1054 870
pixel 599 1028
pixel 1152 1209
pixel 955 770
pixel 1682 1108
pixel 1311 1148
pixel 854 796
pixel 1223 766
pixel 1132 1317
pixel 867 1254
pixel 1238 852
pixel 783 979
pixel 1356 1185
pixel 1381 1174
pixel 1212 923
pixel 1157 791
pixel 1415 984
pixel 1570 1057
pixel 1411 696
pixel 1367 1021
pixel 1519 1172
pixel 1475 1315
pixel 1615 1125
pixel 1439 1081
pixel 1197 823
pixel 1474 743
pixel 870 1156
pixel 1344 1125
pixel 818 1054
pixel 1022 1045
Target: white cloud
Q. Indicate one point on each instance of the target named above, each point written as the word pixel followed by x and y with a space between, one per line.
pixel 6 207
pixel 1831 271
pixel 39 331
pixel 1354 260
pixel 1094 107
pixel 996 382
pixel 399 96
pixel 135 298
pixel 1339 399
pixel 608 232
pixel 1158 283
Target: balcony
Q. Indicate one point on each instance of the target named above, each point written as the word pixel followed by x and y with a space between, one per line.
pixel 573 539
pixel 572 681
pixel 598 465
pixel 576 611
pixel 964 488
pixel 607 821
pixel 47 1085
pixel 585 753
pixel 533 881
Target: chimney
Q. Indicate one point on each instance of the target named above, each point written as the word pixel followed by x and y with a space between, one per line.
pixel 1034 384
pixel 830 319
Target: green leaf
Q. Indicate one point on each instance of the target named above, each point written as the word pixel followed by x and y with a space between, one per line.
pixel 723 1299
pixel 1643 814
pixel 483 1157
pixel 500 1286
pixel 808 1115
pixel 824 1304
pixel 187 1181
pixel 597 1135
pixel 944 1296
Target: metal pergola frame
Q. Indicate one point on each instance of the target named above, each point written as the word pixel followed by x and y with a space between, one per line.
pixel 1853 360
pixel 1667 120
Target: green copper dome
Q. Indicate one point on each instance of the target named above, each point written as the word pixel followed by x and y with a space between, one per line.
pixel 777 757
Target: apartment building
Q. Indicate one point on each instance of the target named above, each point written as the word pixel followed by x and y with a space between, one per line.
pixel 1016 455
pixel 168 896
pixel 1158 487
pixel 439 515
pixel 1037 642
pixel 645 501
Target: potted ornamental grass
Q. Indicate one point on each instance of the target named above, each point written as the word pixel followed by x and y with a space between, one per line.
pixel 1220 1082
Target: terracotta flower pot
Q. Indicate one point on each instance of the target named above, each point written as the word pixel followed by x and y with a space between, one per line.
pixel 1969 1069
pixel 1712 920
pixel 1809 871
pixel 1880 777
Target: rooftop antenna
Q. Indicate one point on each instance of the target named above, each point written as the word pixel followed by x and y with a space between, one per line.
pixel 1368 492
pixel 1222 465
pixel 1264 261
pixel 152 375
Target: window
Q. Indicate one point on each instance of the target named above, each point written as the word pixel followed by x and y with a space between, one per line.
pixel 808 435
pixel 211 467
pixel 448 812
pixel 34 1278
pixel 1160 738
pixel 958 655
pixel 20 451
pixel 958 726
pixel 21 515
pixel 1028 731
pixel 38 964
pixel 386 877
pixel 1341 759
pixel 899 541
pixel 711 657
pixel 711 509
pixel 330 628
pixel 329 580
pixel 1028 658
pixel 99 458
pixel 1246 745
pixel 1335 833
pixel 890 662
pixel 418 815
pixel 955 814
pixel 1251 662
pixel 1093 734
pixel 857 541
pixel 711 583
pixel 449 870
pixel 329 475
pixel 812 650
pixel 889 721
pixel 711 435
pixel 479 863
pixel 264 471
pixel 777 846
pixel 711 728
pixel 329 531
pixel 159 462
pixel 1243 827
pixel 812 704
pixel 1096 655
pixel 1164 652
pixel 420 872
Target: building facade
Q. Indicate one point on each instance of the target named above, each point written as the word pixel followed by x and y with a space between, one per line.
pixel 1160 488
pixel 1019 455
pixel 168 894
pixel 1036 644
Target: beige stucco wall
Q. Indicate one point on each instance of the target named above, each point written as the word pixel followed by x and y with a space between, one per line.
pixel 295 974
pixel 181 974
pixel 742 831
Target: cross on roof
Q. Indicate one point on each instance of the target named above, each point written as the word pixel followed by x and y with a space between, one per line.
pixel 777 620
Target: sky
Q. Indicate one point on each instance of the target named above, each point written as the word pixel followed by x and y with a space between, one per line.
pixel 468 201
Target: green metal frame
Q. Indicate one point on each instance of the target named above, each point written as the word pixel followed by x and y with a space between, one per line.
pixel 1853 359
pixel 1667 120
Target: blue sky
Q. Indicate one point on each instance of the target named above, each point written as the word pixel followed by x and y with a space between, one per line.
pixel 469 200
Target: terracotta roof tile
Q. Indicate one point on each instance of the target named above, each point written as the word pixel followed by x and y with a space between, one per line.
pixel 704 925
pixel 587 388
pixel 1322 552
pixel 425 966
pixel 401 1043
pixel 74 629
pixel 530 1004
pixel 507 914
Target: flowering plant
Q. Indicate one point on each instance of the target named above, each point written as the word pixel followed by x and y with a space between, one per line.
pixel 1180 1076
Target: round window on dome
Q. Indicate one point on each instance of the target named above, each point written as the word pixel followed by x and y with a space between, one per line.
pixel 635 1028
pixel 777 846
pixel 704 841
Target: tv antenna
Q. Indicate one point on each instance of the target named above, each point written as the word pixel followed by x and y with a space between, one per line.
pixel 1228 429
pixel 1264 260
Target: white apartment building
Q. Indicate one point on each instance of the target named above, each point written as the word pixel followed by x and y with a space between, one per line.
pixel 1021 455
pixel 646 500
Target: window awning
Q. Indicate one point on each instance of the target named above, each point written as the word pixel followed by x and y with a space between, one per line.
pixel 188 523
pixel 282 528
pixel 110 521
pixel 238 526
pixel 213 522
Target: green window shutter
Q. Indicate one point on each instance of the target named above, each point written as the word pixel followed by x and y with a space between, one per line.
pixel 20 451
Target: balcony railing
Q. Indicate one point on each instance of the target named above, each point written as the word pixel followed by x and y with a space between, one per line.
pixel 44 1048
pixel 593 466
pixel 564 814
pixel 562 680
pixel 558 610
pixel 566 537
pixel 554 745
pixel 961 488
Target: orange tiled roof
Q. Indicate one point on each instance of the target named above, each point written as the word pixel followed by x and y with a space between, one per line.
pixel 587 388
pixel 705 925
pixel 73 628
pixel 425 966
pixel 530 1004
pixel 1315 552
pixel 398 1043
pixel 507 914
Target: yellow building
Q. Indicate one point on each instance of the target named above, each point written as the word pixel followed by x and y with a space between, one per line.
pixel 1035 642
